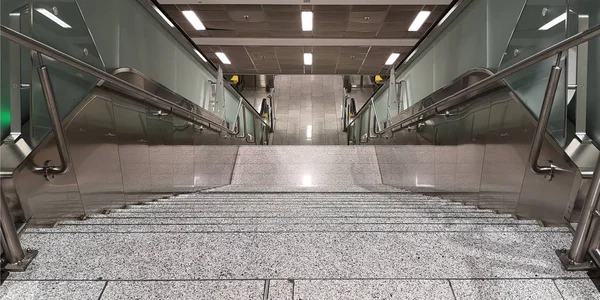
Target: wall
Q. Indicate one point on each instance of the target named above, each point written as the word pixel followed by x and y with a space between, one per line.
pixel 122 155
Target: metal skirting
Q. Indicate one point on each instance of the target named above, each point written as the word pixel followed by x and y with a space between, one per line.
pixel 122 154
pixel 481 149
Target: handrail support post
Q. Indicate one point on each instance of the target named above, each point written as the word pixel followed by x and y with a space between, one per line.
pixel 575 258
pixel 59 132
pixel 540 131
pixel 17 259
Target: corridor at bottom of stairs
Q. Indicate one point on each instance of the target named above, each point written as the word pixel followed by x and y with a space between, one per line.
pixel 370 242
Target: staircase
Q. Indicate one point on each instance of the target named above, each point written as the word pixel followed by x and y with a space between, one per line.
pixel 367 242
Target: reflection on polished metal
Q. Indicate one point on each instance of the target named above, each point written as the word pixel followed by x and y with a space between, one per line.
pixel 485 84
pixel 540 130
pixel 59 132
pixel 575 258
pixel 15 84
pixel 582 82
pixel 18 260
pixel 141 94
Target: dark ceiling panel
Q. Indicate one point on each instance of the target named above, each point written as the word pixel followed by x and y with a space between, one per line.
pixel 246 16
pixel 283 16
pixel 284 21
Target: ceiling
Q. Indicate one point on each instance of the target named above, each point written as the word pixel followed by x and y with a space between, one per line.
pixel 346 39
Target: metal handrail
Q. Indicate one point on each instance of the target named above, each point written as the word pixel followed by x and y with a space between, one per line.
pixel 377 128
pixel 59 131
pixel 144 96
pixel 482 85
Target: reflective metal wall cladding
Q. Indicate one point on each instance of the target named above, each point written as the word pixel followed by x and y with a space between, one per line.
pixel 123 155
pixel 478 153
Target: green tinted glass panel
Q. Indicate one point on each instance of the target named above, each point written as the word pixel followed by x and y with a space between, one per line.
pixel 538 28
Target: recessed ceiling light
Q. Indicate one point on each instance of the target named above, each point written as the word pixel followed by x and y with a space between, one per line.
pixel 308 59
pixel 193 18
pixel 392 59
pixel 419 20
pixel 200 54
pixel 554 22
pixel 160 13
pixel 307 21
pixel 223 58
pixel 52 17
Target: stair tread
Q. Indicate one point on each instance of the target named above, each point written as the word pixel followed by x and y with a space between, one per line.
pixel 347 227
pixel 105 219
pixel 145 256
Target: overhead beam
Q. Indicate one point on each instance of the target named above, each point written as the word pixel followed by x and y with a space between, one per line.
pixel 240 41
pixel 311 2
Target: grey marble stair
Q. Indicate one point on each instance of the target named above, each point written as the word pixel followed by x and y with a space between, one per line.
pixel 298 246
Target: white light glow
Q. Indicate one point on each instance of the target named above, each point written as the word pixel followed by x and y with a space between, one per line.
pixel 307 21
pixel 419 20
pixel 223 58
pixel 306 180
pixel 308 59
pixel 421 184
pixel 163 16
pixel 200 54
pixel 193 18
pixel 392 59
pixel 554 22
pixel 52 17
pixel 14 14
pixel 447 15
pixel 309 132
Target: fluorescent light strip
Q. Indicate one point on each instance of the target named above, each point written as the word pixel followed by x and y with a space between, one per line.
pixel 308 59
pixel 193 18
pixel 307 21
pixel 554 22
pixel 309 132
pixel 392 59
pixel 223 58
pixel 419 20
pixel 52 17
pixel 200 54
pixel 163 16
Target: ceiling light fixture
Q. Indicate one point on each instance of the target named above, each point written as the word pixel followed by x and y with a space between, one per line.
pixel 419 20
pixel 223 58
pixel 554 22
pixel 307 21
pixel 200 54
pixel 392 59
pixel 308 59
pixel 193 18
pixel 160 13
pixel 52 17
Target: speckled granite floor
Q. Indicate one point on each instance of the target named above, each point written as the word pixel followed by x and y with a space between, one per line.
pixel 241 244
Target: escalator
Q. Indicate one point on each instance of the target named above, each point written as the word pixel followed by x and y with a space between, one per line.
pixel 511 124
pixel 96 118
pixel 132 149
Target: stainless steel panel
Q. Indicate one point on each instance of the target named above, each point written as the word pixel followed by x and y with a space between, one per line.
pixel 183 155
pixel 122 153
pixel 131 129
pixel 479 150
pixel 93 146
pixel 160 149
pixel 41 200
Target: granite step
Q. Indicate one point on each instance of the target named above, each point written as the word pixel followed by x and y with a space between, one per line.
pixel 273 209
pixel 311 214
pixel 296 204
pixel 309 255
pixel 302 227
pixel 108 219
